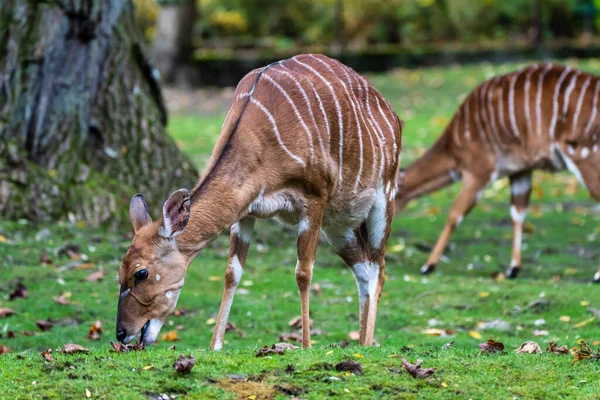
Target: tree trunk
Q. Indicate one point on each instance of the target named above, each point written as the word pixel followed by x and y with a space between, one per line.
pixel 82 119
pixel 173 43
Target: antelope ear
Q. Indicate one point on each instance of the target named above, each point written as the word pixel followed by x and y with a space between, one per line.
pixel 138 212
pixel 176 213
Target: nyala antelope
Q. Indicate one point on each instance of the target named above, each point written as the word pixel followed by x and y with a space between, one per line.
pixel 306 140
pixel 544 116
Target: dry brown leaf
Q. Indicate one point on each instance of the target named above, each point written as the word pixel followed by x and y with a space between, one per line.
pixel 20 292
pixel 3 349
pixel 349 366
pixel 491 346
pixel 448 345
pixel 61 299
pixel 296 322
pixel 439 332
pixel 48 355
pixel 170 336
pixel 290 337
pixel 95 276
pixel 95 331
pixel 529 348
pixel 72 348
pixel 184 364
pixel 231 327
pixel 415 369
pixel 180 312
pixel 11 334
pixel 557 350
pixel 316 289
pixel 123 348
pixel 6 312
pixel 584 351
pixel 45 258
pixel 44 325
pixel 277 348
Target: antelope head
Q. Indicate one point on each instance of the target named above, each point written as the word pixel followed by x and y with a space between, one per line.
pixel 153 270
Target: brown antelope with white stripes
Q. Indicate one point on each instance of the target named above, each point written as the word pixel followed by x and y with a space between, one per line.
pixel 544 116
pixel 306 140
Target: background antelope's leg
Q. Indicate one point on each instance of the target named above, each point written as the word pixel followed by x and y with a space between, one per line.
pixel 239 238
pixel 378 230
pixel 464 203
pixel 308 241
pixel 520 192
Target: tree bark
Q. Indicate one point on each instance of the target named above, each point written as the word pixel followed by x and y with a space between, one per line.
pixel 82 119
pixel 173 43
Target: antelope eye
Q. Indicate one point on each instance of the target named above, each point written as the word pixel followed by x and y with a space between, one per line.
pixel 141 275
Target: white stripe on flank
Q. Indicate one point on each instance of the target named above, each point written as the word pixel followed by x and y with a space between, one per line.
pixel 511 103
pixel 467 120
pixel 594 110
pixel 338 110
pixel 490 96
pixel 561 79
pixel 308 106
pixel 526 99
pixel 277 135
pixel 569 91
pixel 538 100
pixel 376 129
pixel 324 115
pixel 580 102
pixel 455 127
pixel 298 115
pixel 387 122
pixel 391 110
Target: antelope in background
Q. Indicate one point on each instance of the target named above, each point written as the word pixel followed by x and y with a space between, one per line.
pixel 544 116
pixel 306 140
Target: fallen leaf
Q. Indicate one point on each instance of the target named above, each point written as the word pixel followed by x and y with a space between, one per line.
pixel 415 369
pixel 70 250
pixel 88 394
pixel 444 384
pixel 584 303
pixel 439 332
pixel 448 345
pixel 48 355
pixel 277 348
pixel 557 350
pixel 565 318
pixel 45 258
pixel 44 325
pixel 210 321
pixel 584 323
pixel 296 322
pixel 95 331
pixel 231 327
pixel 3 349
pixel 354 335
pixel 529 348
pixel 491 346
pixel 20 292
pixel 147 367
pixel 6 312
pixel 584 351
pixel 540 332
pixel 358 355
pixel 349 366
pixel 61 299
pixel 184 364
pixel 172 348
pixel 170 336
pixel 316 289
pixel 11 334
pixel 72 348
pixel 123 348
pixel 290 337
pixel 484 294
pixel 180 312
pixel 95 276
pixel 475 334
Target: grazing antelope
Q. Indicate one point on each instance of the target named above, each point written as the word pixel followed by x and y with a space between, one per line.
pixel 306 140
pixel 544 116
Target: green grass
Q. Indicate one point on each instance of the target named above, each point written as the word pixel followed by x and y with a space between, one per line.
pixel 560 256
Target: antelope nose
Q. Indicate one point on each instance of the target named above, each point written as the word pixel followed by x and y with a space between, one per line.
pixel 121 334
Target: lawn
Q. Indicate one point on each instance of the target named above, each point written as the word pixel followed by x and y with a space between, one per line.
pixel 553 300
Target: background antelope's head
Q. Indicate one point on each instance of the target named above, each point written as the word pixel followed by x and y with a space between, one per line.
pixel 153 270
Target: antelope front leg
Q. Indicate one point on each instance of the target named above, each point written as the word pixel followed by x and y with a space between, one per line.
pixel 308 241
pixel 239 237
pixel 520 192
pixel 464 203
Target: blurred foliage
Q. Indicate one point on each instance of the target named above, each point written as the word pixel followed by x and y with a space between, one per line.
pixel 146 13
pixel 284 24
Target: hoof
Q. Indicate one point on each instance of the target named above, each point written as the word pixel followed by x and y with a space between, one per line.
pixel 513 272
pixel 597 277
pixel 427 269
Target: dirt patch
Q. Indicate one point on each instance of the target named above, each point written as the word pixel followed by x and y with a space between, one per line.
pixel 244 389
